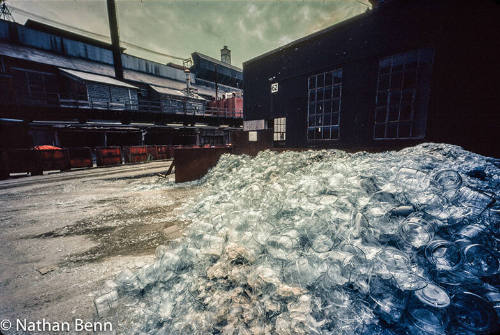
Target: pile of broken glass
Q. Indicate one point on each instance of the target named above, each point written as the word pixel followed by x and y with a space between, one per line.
pixel 328 242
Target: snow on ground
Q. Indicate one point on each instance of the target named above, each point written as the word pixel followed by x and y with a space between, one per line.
pixel 326 242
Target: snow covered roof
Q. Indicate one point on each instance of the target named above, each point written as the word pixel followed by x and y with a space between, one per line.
pixel 96 78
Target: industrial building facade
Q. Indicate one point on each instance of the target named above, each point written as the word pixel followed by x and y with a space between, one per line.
pixel 53 82
pixel 404 72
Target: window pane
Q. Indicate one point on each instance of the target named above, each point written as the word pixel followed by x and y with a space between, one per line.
pixel 312 108
pixel 396 80
pixel 319 108
pixel 407 97
pixel 319 120
pixel 381 98
pixel 392 130
pixel 328 92
pixel 328 106
pixel 317 133
pixel 334 132
pixel 327 119
pixel 380 114
pixel 335 118
pixel 337 77
pixel 328 79
pixel 398 62
pixel 395 97
pixel 310 133
pixel 312 120
pixel 385 66
pixel 312 82
pixel 393 113
pixel 320 94
pixel 321 81
pixel 383 83
pixel 404 129
pixel 336 105
pixel 312 95
pixel 405 113
pixel 336 91
pixel 326 133
pixel 379 130
pixel 410 79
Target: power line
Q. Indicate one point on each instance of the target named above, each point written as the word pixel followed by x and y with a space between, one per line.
pixel 152 51
pixel 364 3
pixel 100 36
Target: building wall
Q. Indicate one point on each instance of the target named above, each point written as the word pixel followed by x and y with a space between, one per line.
pixel 462 98
pixel 114 94
pixel 17 33
pixel 211 71
pixel 172 105
pixel 143 65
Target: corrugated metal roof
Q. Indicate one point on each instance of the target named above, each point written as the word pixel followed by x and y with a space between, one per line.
pixel 44 57
pixel 150 79
pixel 96 78
pixel 169 91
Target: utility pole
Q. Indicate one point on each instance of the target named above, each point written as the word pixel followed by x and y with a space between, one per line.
pixel 5 13
pixel 216 84
pixel 115 39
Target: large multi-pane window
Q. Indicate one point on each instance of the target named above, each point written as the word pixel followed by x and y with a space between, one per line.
pixel 280 129
pixel 403 95
pixel 324 100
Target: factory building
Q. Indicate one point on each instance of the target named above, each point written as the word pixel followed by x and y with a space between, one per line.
pixel 404 72
pixel 50 76
pixel 211 71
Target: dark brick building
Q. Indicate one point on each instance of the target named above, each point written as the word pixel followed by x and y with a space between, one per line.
pixel 405 72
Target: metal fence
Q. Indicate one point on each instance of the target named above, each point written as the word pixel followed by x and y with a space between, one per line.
pixel 55 100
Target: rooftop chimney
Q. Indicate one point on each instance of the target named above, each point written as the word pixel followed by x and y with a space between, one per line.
pixel 225 55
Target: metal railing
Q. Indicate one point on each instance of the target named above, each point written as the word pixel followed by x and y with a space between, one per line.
pixel 54 100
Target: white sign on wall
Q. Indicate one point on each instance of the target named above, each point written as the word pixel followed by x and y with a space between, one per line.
pixel 274 88
pixel 252 136
pixel 254 125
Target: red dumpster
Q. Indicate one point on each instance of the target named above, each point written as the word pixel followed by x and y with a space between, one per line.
pixel 80 157
pixel 135 154
pixel 53 158
pixel 108 156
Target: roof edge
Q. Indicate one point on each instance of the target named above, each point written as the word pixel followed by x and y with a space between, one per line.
pixel 310 36
pixel 215 60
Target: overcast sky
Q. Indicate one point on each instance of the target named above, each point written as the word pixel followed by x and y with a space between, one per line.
pixel 180 27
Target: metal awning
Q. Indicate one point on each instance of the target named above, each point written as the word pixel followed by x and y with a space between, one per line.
pixel 96 78
pixel 171 91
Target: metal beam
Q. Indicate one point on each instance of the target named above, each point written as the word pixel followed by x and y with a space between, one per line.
pixel 115 39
